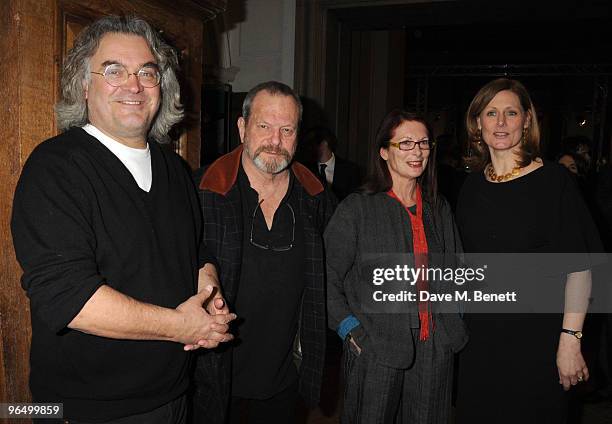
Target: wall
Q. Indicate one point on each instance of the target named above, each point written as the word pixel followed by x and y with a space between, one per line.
pixel 258 37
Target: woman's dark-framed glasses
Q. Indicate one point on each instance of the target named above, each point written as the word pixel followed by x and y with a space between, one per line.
pixel 282 247
pixel 410 144
pixel 116 75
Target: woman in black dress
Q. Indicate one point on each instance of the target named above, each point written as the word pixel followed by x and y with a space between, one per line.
pixel 517 367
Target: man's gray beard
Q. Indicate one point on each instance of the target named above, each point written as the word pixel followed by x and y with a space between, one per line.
pixel 271 166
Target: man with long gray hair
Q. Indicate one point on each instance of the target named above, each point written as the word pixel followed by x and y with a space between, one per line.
pixel 106 227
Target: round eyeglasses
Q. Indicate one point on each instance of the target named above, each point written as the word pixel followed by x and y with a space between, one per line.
pixel 117 75
pixel 409 144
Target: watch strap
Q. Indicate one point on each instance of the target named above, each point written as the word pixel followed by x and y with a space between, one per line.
pixel 575 333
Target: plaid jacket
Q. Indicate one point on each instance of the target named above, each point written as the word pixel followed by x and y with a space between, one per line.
pixel 223 234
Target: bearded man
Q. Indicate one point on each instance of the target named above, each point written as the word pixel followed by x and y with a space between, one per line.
pixel 264 215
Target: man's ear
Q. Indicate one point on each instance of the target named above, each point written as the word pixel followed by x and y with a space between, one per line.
pixel 241 128
pixel 85 88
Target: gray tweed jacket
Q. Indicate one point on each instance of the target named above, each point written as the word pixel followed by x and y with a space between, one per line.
pixel 364 226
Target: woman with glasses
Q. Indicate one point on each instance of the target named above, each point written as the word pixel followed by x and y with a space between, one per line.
pixel 514 202
pixel 398 350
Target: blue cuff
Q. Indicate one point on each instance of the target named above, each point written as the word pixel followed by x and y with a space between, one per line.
pixel 347 325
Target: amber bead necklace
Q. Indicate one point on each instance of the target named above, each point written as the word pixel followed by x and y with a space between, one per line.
pixel 516 171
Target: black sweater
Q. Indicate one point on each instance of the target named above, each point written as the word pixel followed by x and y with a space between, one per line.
pixel 81 221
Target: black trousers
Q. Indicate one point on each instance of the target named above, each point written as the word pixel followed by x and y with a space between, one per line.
pixel 279 409
pixel 174 412
pixel 376 394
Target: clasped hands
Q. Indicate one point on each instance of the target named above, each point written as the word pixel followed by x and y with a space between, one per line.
pixel 205 319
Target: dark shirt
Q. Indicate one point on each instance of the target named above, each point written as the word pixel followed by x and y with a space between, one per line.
pixel 269 298
pixel 81 221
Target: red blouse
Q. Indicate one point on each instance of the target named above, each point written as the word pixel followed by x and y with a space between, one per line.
pixel 419 247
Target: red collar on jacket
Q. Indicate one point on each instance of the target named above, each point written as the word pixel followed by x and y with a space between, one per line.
pixel 221 175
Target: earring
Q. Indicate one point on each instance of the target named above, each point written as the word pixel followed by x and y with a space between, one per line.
pixel 479 137
pixel 523 137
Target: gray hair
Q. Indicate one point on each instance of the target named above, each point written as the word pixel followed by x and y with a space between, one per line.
pixel 274 88
pixel 71 111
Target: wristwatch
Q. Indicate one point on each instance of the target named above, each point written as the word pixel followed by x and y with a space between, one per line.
pixel 577 334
